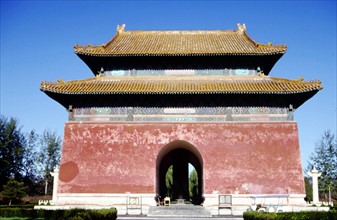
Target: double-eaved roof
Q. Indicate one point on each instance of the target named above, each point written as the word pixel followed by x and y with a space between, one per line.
pixel 176 50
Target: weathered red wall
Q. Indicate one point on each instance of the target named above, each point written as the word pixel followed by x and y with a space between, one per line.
pixel 103 157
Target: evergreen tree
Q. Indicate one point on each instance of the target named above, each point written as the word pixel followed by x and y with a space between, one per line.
pixel 31 178
pixel 169 181
pixel 193 186
pixel 49 156
pixel 27 158
pixel 11 150
pixel 308 189
pixel 324 158
pixel 13 191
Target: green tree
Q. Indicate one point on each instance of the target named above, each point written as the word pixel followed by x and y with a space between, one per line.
pixel 324 158
pixel 169 181
pixel 31 178
pixel 308 189
pixel 193 187
pixel 11 150
pixel 30 155
pixel 13 191
pixel 49 156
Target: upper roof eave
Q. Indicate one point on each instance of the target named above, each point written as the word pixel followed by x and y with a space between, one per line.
pixel 180 43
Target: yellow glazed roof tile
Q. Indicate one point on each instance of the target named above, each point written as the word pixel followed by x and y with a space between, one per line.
pixel 180 43
pixel 182 85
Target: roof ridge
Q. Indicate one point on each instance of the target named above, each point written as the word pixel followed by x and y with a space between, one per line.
pixel 121 30
pixel 177 31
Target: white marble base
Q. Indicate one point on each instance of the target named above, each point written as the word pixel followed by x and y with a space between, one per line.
pixel 139 204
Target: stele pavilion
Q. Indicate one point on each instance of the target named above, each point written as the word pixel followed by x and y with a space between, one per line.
pixel 201 99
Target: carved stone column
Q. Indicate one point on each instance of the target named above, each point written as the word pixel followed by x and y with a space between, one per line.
pixel 314 175
pixel 55 174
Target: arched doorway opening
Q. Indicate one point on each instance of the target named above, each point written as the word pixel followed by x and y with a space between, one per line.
pixel 178 155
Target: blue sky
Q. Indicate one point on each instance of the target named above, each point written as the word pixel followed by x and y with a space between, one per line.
pixel 37 39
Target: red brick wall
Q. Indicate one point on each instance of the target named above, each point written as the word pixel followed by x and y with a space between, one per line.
pixel 102 157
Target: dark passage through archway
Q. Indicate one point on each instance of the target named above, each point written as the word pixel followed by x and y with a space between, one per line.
pixel 179 154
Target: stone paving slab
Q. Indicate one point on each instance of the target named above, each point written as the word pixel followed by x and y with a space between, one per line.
pixel 179 218
pixel 179 211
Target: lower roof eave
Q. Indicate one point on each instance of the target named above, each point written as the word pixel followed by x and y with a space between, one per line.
pixel 181 100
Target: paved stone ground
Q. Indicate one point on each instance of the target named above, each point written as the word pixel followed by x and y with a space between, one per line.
pixel 178 212
pixel 174 218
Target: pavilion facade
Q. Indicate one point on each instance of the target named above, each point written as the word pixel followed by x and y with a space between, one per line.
pixel 162 98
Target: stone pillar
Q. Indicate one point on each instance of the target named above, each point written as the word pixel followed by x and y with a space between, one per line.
pixel 55 174
pixel 314 175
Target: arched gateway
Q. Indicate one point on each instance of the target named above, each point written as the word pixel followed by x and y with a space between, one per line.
pixel 179 154
pixel 162 98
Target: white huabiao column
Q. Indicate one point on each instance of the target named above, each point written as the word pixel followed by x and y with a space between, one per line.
pixel 55 174
pixel 314 175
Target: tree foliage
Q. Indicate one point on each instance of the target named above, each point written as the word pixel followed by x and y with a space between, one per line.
pixel 193 187
pixel 169 182
pixel 324 158
pixel 308 189
pixel 13 191
pixel 30 155
pixel 11 150
pixel 27 157
pixel 31 177
pixel 49 156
